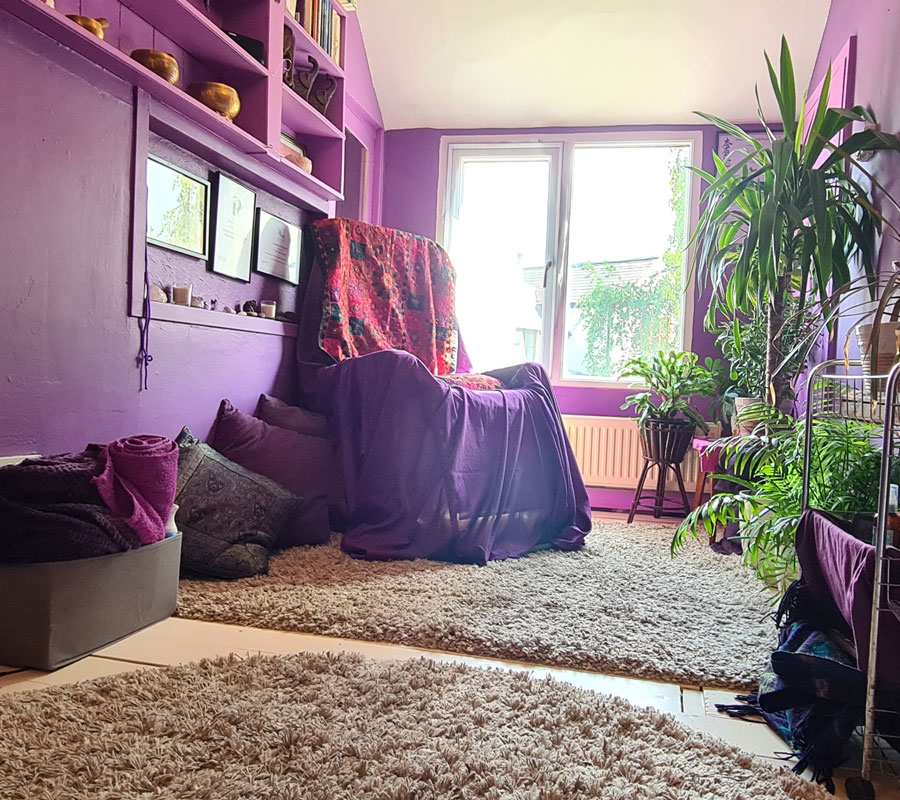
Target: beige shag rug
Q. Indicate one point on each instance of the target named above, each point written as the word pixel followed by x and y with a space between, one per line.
pixel 621 605
pixel 321 727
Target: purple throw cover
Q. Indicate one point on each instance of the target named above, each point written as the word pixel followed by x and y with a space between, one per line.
pixel 137 482
pixel 50 511
pixel 839 571
pixel 442 472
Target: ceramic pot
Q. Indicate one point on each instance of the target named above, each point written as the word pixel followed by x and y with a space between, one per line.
pixel 162 64
pixel 220 97
pixel 96 26
pixel 746 427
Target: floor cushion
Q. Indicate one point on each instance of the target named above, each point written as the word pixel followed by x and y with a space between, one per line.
pixel 231 518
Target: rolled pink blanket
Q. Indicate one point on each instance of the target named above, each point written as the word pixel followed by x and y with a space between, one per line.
pixel 138 483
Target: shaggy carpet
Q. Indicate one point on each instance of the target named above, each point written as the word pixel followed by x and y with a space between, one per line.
pixel 621 605
pixel 326 727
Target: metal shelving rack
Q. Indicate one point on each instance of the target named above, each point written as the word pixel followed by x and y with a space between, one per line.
pixel 834 392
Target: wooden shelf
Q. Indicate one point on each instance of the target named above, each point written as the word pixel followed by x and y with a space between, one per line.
pixel 196 33
pixel 103 54
pixel 306 44
pixel 294 172
pixel 302 118
pixel 169 312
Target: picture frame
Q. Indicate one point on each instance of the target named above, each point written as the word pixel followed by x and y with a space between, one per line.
pixel 177 209
pixel 278 245
pixel 233 227
pixel 731 149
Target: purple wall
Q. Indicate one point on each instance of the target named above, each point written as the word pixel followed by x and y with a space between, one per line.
pixel 69 348
pixel 876 24
pixel 412 166
pixel 363 115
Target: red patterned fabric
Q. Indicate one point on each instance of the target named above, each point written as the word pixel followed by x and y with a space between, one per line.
pixel 472 380
pixel 384 290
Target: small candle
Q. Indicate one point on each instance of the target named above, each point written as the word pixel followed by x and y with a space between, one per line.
pixel 181 295
pixel 267 310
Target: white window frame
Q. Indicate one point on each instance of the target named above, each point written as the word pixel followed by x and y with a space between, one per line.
pixel 453 148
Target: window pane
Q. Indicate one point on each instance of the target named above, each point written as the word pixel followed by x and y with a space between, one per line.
pixel 498 245
pixel 626 263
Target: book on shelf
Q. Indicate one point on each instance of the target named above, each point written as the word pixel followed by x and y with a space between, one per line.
pixel 291 7
pixel 335 37
pixel 322 22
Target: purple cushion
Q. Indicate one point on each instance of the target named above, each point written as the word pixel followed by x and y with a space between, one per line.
pixel 309 424
pixel 297 461
pixel 299 420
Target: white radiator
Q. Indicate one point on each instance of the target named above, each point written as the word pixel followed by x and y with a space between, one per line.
pixel 608 452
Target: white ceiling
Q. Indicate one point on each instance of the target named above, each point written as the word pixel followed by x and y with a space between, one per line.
pixel 529 63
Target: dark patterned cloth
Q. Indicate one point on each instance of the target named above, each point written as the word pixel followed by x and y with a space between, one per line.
pixel 386 290
pixel 50 510
pixel 811 693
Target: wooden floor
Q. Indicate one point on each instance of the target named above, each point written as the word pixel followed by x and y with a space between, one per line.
pixel 177 641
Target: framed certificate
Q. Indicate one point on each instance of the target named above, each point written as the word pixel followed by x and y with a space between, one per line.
pixel 277 247
pixel 234 208
pixel 177 209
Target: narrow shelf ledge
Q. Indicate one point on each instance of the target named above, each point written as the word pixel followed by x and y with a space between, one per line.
pixel 302 118
pixel 188 27
pixel 169 312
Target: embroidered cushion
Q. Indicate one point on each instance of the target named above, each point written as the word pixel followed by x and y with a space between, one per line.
pixel 231 518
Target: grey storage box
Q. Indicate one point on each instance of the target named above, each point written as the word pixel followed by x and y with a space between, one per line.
pixel 54 613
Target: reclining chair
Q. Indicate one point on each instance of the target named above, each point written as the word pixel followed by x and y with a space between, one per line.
pixel 436 464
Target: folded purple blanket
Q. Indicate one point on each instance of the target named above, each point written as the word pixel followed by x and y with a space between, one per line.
pixel 51 511
pixel 138 482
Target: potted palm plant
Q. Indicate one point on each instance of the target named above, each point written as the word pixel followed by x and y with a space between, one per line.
pixel 783 224
pixel 666 419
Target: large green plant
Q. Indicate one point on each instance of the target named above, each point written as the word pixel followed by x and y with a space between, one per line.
pixel 844 478
pixel 672 380
pixel 788 217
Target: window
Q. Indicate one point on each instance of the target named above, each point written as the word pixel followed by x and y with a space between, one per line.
pixel 571 252
pixel 500 237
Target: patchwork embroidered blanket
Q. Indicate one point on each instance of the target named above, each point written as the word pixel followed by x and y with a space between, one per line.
pixel 385 290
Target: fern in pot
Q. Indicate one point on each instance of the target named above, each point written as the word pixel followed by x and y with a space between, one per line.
pixel 666 418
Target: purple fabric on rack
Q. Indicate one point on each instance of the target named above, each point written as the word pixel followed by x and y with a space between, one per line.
pixel 839 571
pixel 138 481
pixel 442 472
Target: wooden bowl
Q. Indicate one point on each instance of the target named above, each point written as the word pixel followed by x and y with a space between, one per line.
pixel 221 98
pixel 96 26
pixel 162 64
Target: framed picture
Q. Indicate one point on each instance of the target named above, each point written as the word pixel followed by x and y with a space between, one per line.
pixel 732 149
pixel 177 209
pixel 277 247
pixel 234 214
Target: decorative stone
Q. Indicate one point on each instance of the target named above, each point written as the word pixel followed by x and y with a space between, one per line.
pixel 197 302
pixel 252 314
pixel 157 295
pixel 290 316
pixel 227 310
pixel 242 313
pixel 250 305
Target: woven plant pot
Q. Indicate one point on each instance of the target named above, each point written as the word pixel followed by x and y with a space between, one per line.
pixel 667 439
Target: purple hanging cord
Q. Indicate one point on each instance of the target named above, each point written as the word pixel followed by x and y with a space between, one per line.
pixel 144 357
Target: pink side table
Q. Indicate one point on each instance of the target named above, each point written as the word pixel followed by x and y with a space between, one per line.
pixel 709 453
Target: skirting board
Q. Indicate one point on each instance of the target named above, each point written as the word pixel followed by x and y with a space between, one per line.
pixel 6 461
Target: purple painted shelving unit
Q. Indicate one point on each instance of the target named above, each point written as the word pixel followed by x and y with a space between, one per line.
pixel 198 41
